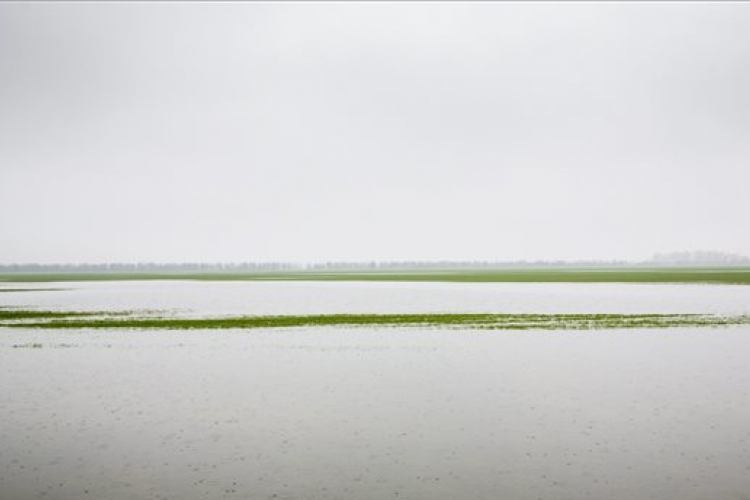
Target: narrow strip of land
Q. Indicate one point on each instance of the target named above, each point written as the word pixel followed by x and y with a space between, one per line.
pixel 725 275
pixel 116 320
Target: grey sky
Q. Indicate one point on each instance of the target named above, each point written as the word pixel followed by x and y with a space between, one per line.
pixel 347 131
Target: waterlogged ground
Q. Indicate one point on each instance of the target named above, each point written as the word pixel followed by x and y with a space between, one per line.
pixel 366 413
pixel 205 298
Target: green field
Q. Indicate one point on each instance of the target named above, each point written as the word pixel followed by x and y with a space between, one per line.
pixel 725 275
pixel 109 320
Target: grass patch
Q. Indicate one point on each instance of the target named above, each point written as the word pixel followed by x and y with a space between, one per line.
pixel 26 314
pixel 112 320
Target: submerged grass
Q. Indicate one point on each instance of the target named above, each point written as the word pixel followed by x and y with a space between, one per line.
pixel 25 314
pixel 720 275
pixel 112 320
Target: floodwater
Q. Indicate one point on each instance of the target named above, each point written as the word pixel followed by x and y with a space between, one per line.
pixel 201 298
pixel 360 413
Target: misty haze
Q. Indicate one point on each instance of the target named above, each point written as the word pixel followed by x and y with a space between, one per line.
pixel 430 251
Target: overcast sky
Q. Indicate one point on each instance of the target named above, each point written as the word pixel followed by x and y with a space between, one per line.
pixel 376 131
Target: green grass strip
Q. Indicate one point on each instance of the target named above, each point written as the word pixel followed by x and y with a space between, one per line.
pixel 25 314
pixel 112 320
pixel 726 275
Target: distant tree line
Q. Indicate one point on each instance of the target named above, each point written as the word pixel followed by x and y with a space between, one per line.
pixel 152 267
pixel 664 259
pixel 149 267
pixel 700 257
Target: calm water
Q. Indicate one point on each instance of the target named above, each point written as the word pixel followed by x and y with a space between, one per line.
pixel 219 298
pixel 369 414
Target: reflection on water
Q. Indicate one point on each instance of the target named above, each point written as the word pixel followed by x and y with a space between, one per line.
pixel 325 413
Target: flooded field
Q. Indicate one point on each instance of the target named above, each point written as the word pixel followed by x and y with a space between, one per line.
pixel 207 298
pixel 368 413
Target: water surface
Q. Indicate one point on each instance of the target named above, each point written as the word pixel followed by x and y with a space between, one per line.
pixel 199 298
pixel 337 413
